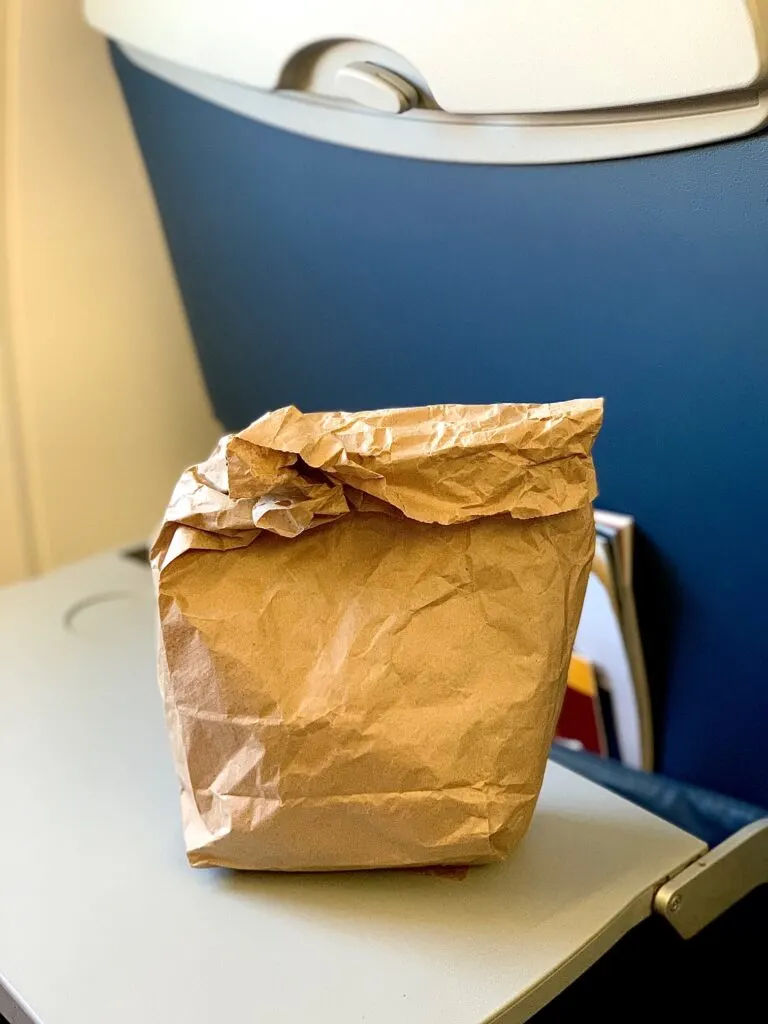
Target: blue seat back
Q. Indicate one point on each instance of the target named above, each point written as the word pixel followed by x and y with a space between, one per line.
pixel 332 278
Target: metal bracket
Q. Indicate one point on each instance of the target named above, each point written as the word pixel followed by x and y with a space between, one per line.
pixel 716 881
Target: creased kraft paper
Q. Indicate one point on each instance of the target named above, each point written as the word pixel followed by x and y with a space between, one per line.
pixel 366 623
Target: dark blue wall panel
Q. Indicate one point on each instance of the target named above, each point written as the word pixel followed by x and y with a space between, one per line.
pixel 330 278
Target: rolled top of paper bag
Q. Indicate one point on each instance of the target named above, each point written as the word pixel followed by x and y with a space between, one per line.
pixel 291 471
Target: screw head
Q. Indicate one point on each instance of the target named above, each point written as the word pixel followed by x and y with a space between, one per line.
pixel 674 904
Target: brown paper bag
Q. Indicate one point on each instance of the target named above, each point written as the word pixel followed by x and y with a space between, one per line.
pixel 366 624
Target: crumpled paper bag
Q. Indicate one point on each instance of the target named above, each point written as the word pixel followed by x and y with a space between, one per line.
pixel 366 624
